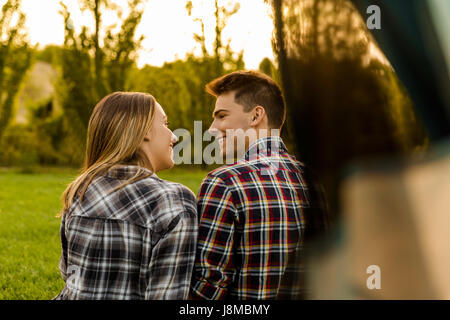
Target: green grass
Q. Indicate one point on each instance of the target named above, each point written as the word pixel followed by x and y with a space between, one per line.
pixel 29 231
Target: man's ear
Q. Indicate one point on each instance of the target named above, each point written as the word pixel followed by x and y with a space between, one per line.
pixel 258 114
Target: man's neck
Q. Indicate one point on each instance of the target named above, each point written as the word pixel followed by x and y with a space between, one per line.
pixel 265 133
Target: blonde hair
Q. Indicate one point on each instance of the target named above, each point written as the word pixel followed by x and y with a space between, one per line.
pixel 117 128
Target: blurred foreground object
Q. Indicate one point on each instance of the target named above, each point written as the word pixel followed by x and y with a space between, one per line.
pixel 395 216
pixel 393 209
pixel 415 37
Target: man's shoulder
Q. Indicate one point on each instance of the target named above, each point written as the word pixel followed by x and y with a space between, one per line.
pixel 229 171
pixel 242 168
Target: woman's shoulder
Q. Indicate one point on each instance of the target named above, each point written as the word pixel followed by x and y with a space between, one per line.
pixel 148 184
pixel 166 188
pixel 172 203
pixel 147 202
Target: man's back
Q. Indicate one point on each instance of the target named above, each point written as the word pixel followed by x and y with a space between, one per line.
pixel 252 225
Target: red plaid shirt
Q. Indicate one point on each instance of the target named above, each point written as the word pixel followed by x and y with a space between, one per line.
pixel 252 225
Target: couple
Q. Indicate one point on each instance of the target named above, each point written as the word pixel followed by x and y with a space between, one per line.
pixel 127 234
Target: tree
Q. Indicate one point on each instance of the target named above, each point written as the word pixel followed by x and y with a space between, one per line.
pixel 224 58
pixel 95 62
pixel 210 64
pixel 15 58
pixel 120 50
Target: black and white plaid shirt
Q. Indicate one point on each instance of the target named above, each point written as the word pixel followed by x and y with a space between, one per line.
pixel 136 243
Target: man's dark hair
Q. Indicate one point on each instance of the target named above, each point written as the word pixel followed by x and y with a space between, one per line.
pixel 252 89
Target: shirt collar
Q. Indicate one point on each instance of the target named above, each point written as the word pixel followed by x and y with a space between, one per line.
pixel 124 172
pixel 267 146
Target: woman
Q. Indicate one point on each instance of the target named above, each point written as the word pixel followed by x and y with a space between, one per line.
pixel 125 233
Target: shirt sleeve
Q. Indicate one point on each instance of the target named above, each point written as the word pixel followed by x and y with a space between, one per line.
pixel 214 267
pixel 173 253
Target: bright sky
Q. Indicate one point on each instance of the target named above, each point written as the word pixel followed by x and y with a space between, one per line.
pixel 167 28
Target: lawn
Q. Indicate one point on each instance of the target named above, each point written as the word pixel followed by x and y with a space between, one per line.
pixel 29 231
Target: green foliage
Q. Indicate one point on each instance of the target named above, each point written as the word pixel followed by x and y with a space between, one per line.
pixel 49 130
pixel 121 50
pixel 92 63
pixel 15 58
pixel 42 141
pixel 223 58
pixel 19 146
pixel 27 146
pixel 179 86
pixel 266 67
pixel 90 70
pixel 48 54
pixel 169 88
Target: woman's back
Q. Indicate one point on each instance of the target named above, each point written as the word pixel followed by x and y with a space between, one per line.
pixel 137 242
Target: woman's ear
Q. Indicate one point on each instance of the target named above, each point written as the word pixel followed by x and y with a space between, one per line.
pixel 147 137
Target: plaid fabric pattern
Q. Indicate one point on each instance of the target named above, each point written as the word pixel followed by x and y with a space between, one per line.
pixel 136 243
pixel 252 225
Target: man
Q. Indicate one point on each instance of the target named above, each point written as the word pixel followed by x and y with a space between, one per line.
pixel 253 213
